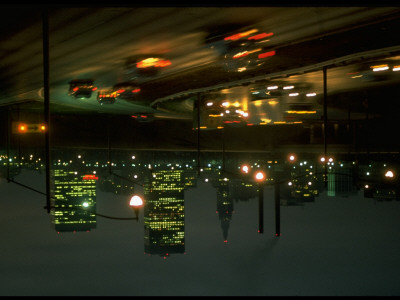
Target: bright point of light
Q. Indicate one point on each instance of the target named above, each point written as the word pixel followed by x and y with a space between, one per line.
pixel 309 183
pixel 85 204
pixel 389 174
pixel 289 87
pixel 133 156
pixel 367 173
pixel 226 104
pixel 260 176
pixel 274 87
pixel 135 176
pixel 331 159
pixel 290 183
pixel 245 169
pixel 311 94
pixel 322 159
pixel 209 103
pixel 136 201
pixel 291 157
pixel 206 180
pixel 79 156
pixel 366 186
pixel 293 94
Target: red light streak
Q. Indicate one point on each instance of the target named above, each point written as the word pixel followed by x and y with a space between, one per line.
pixel 266 54
pixel 90 177
pixel 260 36
pixel 135 90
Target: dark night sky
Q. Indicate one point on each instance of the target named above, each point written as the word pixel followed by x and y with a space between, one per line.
pixel 333 246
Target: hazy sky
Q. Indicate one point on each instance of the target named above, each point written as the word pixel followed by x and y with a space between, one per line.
pixel 333 246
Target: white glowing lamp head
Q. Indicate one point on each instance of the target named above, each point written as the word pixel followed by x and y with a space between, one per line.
pixel 136 201
pixel 260 176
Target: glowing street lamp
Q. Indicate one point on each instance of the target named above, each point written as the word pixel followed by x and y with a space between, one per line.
pixel 245 169
pixel 292 158
pixel 136 203
pixel 259 176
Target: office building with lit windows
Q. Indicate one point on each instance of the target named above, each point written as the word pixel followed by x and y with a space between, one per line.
pixel 74 200
pixel 164 212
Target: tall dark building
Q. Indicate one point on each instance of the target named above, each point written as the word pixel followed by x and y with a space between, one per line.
pixel 164 212
pixel 74 200
pixel 224 205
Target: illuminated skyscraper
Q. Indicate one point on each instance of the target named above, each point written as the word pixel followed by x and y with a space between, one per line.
pixel 224 205
pixel 164 213
pixel 74 200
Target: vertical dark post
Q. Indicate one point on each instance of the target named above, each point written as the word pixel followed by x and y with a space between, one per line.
pixel 109 144
pixel 8 142
pixel 223 148
pixel 277 210
pixel 198 133
pixel 325 124
pixel 260 208
pixel 45 20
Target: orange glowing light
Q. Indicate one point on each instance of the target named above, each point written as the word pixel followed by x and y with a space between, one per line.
pixel 240 35
pixel 22 128
pixel 42 127
pixel 135 90
pixel 153 62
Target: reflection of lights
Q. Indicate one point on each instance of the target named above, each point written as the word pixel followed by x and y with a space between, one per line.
pixel 380 68
pixel 272 102
pixel 266 54
pixel 274 87
pixel 396 68
pixel 300 112
pixel 260 36
pixel 293 94
pixel 289 87
pixel 240 35
pixel 240 54
pixel 153 62
pixel 226 104
pixel 311 94
pixel 209 103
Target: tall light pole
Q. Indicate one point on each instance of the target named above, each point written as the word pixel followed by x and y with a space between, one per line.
pixel 260 178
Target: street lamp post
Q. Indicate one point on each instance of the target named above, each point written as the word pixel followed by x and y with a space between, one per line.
pixel 277 210
pixel 260 178
pixel 136 202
